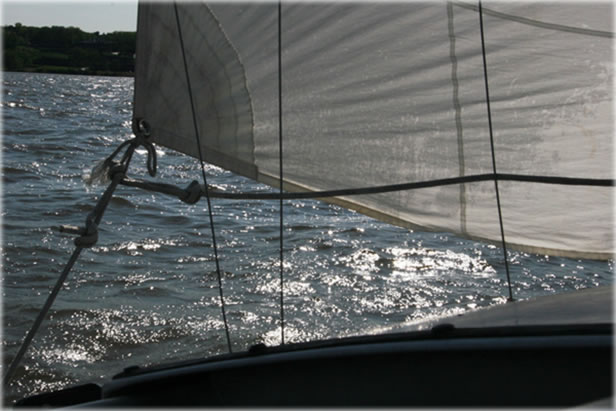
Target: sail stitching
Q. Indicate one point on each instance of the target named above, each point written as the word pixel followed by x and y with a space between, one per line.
pixel 209 205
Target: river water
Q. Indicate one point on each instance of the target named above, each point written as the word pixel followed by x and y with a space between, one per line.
pixel 147 292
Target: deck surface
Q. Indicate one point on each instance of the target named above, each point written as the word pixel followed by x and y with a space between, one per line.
pixel 587 306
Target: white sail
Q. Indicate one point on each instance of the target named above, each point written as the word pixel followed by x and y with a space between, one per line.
pixel 379 94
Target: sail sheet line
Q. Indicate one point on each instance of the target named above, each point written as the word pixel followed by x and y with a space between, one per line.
pixel 194 190
pixel 306 193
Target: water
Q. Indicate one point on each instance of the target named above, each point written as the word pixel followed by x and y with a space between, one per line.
pixel 147 292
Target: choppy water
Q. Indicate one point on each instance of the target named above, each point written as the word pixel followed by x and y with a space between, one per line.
pixel 147 292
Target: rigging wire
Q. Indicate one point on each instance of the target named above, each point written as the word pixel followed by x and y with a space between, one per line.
pixel 207 196
pixel 498 203
pixel 280 170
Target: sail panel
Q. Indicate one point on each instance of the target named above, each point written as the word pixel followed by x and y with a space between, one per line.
pixel 380 94
pixel 215 86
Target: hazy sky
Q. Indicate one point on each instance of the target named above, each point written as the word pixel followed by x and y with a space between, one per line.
pixel 88 15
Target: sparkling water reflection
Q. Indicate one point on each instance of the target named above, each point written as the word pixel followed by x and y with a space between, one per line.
pixel 147 292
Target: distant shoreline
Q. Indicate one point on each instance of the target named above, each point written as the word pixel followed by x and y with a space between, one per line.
pixel 68 50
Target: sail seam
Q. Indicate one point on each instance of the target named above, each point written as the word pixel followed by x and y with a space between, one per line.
pixel 537 23
pixel 458 112
pixel 209 205
pixel 213 91
pixel 242 70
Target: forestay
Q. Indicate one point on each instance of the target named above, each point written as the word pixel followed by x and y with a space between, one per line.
pixel 386 93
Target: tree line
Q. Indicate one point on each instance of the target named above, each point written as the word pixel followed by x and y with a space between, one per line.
pixel 68 50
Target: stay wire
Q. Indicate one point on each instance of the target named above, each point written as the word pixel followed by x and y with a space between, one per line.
pixel 280 170
pixel 207 196
pixel 498 203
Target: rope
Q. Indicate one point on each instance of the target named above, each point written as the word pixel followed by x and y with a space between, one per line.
pixel 209 205
pixel 194 191
pixel 498 203
pixel 128 154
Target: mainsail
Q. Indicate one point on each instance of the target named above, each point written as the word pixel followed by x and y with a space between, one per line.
pixel 391 93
